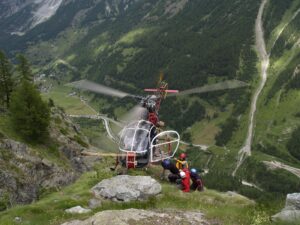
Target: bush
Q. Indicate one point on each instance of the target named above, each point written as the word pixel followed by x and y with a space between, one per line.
pixel 277 181
pixel 226 132
pixel 80 141
pixel 293 145
pixel 29 114
pixel 222 181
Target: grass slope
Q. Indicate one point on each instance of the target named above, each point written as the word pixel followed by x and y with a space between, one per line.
pixel 217 206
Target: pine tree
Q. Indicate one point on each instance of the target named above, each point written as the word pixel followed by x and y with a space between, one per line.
pixel 6 82
pixel 30 116
pixel 24 69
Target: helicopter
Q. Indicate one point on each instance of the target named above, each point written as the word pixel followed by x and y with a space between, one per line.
pixel 142 141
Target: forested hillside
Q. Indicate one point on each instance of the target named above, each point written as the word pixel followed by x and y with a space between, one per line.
pixel 126 44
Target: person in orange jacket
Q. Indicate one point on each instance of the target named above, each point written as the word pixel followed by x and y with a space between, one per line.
pixel 185 180
pixel 181 162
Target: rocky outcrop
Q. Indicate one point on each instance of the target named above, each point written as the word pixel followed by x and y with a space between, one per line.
pixel 143 217
pixel 127 188
pixel 25 171
pixel 291 211
pixel 77 210
pixel 23 174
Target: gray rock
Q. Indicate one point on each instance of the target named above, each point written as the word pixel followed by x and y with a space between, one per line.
pixel 77 210
pixel 145 217
pixel 31 173
pixel 287 216
pixel 94 203
pixel 291 211
pixel 18 148
pixel 18 219
pixel 292 202
pixel 127 188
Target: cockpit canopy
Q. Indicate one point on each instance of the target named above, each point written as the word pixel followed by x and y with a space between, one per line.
pixel 135 137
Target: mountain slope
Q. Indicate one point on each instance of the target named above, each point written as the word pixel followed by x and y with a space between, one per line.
pixel 125 43
pixel 19 16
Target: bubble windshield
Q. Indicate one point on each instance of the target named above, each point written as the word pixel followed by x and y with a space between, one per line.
pixel 135 137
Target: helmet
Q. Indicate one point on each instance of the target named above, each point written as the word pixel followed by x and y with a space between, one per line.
pixel 182 156
pixel 151 105
pixel 182 174
pixel 166 163
pixel 193 171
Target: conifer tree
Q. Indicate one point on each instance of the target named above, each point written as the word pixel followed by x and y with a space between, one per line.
pixel 24 69
pixel 30 115
pixel 6 82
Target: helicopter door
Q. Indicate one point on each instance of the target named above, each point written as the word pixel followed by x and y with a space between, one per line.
pixel 164 145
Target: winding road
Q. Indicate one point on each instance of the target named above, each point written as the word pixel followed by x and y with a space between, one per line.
pixel 105 120
pixel 279 165
pixel 245 151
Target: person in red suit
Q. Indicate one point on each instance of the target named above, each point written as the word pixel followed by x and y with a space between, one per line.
pixel 185 180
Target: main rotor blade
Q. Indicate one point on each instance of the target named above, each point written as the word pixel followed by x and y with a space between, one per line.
pixel 136 113
pixel 229 84
pixel 97 88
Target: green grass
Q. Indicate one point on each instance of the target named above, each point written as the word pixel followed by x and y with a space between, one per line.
pixel 7 129
pixel 72 104
pixel 217 206
pixel 286 18
pixel 133 35
pixel 48 150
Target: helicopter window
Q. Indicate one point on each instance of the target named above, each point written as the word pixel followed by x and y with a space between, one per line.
pixel 126 140
pixel 135 137
pixel 141 141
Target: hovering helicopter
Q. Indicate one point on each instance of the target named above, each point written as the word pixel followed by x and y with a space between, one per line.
pixel 142 141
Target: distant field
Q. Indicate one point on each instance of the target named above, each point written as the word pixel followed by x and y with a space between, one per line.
pixel 71 104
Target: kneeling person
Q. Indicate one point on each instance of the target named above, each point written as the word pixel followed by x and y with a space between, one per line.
pixel 197 181
pixel 174 171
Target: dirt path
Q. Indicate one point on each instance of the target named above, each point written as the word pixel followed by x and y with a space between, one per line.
pixel 279 165
pixel 105 120
pixel 251 185
pixel 245 151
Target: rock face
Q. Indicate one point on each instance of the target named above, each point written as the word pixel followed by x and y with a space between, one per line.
pixel 127 188
pixel 34 12
pixel 24 171
pixel 143 217
pixel 293 201
pixel 291 211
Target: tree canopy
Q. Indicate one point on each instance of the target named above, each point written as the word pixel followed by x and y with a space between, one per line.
pixel 30 115
pixel 6 82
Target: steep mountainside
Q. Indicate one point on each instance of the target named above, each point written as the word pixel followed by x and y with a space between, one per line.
pixel 126 43
pixel 29 170
pixel 19 16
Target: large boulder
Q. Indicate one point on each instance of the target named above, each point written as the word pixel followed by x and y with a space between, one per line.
pixel 292 202
pixel 127 188
pixel 291 211
pixel 145 217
